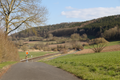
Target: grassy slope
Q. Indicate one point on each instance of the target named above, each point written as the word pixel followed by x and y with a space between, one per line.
pixel 113 43
pixel 5 64
pixel 34 54
pixel 96 66
pixel 109 44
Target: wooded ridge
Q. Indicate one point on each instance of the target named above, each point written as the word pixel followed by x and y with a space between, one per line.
pixel 96 27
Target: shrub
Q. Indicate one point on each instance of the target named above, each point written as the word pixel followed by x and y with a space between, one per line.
pixel 86 44
pixel 8 51
pixel 84 36
pixel 21 42
pixel 55 49
pixel 77 45
pixel 75 36
pixel 98 44
pixel 35 38
pixel 98 40
pixel 38 46
pixel 64 51
pixel 24 48
pixel 60 47
pixel 112 34
pixel 46 49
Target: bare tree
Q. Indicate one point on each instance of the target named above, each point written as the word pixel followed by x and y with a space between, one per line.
pixel 24 48
pixel 98 44
pixel 21 13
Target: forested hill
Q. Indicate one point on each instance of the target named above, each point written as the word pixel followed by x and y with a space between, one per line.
pixel 95 27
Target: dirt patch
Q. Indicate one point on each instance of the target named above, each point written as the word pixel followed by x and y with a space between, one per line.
pixel 106 49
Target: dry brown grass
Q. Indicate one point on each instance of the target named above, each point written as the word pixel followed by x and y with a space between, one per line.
pixel 8 51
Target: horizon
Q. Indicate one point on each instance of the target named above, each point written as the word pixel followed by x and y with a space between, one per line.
pixel 80 21
pixel 65 11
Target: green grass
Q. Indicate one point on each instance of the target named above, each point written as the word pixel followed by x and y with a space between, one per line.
pixel 5 64
pixel 108 44
pixel 95 66
pixel 34 54
pixel 114 43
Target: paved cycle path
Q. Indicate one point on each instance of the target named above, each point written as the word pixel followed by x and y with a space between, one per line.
pixel 36 71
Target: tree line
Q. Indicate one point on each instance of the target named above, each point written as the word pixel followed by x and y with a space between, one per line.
pixel 96 28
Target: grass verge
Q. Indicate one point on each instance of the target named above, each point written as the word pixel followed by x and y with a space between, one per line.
pixel 6 64
pixel 34 54
pixel 95 66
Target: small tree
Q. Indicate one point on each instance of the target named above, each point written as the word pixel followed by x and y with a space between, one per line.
pixel 24 48
pixel 50 35
pixel 75 36
pixel 21 42
pixel 84 36
pixel 77 45
pixel 98 44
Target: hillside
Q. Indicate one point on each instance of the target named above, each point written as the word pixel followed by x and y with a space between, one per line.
pixel 95 27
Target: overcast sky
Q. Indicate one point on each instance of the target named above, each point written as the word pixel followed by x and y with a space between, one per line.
pixel 79 10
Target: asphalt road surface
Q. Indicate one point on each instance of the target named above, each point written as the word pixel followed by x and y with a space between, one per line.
pixel 36 71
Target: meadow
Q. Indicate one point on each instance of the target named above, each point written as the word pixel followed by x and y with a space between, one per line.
pixel 94 66
pixel 34 54
pixel 108 44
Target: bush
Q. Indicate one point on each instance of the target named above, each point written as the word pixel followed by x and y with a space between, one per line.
pixel 75 36
pixel 112 34
pixel 77 45
pixel 24 48
pixel 98 44
pixel 8 51
pixel 84 36
pixel 38 46
pixel 55 49
pixel 64 51
pixel 98 40
pixel 86 44
pixel 35 38
pixel 46 49
pixel 59 47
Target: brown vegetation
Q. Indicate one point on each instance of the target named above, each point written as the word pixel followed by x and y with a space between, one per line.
pixel 8 52
pixel 112 34
pixel 98 44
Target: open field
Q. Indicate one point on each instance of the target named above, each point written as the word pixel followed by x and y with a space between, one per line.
pixel 113 43
pixel 106 49
pixel 94 66
pixel 33 54
pixel 54 44
pixel 108 44
pixel 111 46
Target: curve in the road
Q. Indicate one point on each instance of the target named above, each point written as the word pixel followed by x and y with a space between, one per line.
pixel 36 71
